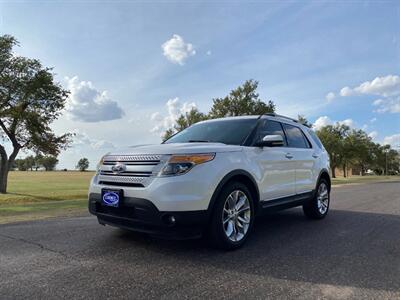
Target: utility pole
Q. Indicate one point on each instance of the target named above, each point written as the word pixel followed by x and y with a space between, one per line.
pixel 386 153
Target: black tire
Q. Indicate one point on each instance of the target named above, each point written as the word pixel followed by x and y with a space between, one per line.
pixel 216 231
pixel 312 209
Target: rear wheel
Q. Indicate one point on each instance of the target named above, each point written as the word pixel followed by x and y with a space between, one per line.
pixel 318 207
pixel 232 217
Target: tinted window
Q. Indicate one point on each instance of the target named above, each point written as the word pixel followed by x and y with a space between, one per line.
pixel 315 138
pixel 231 132
pixel 295 137
pixel 270 128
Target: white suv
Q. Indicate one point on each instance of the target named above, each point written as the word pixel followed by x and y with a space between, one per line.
pixel 213 178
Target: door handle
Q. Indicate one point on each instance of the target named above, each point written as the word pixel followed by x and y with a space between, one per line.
pixel 315 155
pixel 288 155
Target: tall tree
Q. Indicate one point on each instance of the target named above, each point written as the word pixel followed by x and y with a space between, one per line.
pixel 184 121
pixel 332 136
pixel 244 100
pixel 303 120
pixel 30 100
pixel 49 162
pixel 83 164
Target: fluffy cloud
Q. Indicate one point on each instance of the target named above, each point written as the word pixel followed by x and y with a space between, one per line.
pixel 322 122
pixel 347 122
pixel 174 110
pixel 393 140
pixel 385 86
pixel 325 120
pixel 87 104
pixel 330 96
pixel 391 105
pixel 82 139
pixel 176 50
pixel 373 134
pixel 346 91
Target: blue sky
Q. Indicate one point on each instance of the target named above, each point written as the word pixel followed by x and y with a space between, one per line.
pixel 133 66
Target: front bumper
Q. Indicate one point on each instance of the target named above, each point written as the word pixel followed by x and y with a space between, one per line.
pixel 142 215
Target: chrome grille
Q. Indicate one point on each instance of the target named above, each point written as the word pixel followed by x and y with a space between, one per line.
pixel 139 170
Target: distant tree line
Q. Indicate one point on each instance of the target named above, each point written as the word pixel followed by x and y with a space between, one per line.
pixel 47 162
pixel 353 148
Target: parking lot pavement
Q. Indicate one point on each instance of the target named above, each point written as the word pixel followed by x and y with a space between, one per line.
pixel 353 253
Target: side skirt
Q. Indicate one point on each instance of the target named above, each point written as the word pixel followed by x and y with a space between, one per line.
pixel 285 202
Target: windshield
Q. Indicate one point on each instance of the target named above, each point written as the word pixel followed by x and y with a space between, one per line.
pixel 230 132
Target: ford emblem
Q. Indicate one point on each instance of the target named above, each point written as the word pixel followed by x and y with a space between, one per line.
pixel 118 168
pixel 111 198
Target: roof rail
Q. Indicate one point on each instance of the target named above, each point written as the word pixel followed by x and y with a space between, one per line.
pixel 280 116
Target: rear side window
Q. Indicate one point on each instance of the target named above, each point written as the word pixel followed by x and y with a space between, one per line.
pixel 295 137
pixel 315 138
pixel 270 128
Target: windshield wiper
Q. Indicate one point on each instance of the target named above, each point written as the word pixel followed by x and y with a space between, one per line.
pixel 198 141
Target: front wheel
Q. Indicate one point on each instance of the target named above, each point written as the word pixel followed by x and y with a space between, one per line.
pixel 318 207
pixel 233 216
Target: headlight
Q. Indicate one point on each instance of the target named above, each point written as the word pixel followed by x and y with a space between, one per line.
pixel 181 164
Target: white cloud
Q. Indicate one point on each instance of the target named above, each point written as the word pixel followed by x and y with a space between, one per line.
pixel 373 120
pixel 174 110
pixel 391 105
pixel 373 134
pixel 325 120
pixel 176 50
pixel 346 91
pixel 385 86
pixel 209 52
pixel 377 102
pixel 82 139
pixel 347 122
pixel 87 104
pixel 330 96
pixel 393 140
pixel 322 122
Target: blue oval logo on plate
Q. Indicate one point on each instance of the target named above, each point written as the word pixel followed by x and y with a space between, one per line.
pixel 110 198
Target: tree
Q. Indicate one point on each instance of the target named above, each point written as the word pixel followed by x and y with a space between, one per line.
pixel 83 164
pixel 332 137
pixel 20 164
pixel 302 120
pixel 184 121
pixel 49 162
pixel 30 101
pixel 244 100
pixel 30 162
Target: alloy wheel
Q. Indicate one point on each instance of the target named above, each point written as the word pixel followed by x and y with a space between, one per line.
pixel 236 215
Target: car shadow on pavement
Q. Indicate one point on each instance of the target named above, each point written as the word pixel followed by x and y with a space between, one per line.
pixel 347 248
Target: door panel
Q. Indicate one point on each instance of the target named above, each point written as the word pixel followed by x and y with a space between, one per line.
pixel 305 164
pixel 302 152
pixel 276 166
pixel 277 173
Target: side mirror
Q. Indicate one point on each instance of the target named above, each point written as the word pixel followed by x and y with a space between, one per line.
pixel 274 140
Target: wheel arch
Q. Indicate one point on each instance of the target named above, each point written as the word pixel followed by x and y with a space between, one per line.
pixel 324 174
pixel 240 176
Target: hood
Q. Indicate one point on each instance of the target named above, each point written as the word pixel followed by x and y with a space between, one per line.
pixel 177 148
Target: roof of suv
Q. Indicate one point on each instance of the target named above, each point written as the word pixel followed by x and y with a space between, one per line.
pixel 271 116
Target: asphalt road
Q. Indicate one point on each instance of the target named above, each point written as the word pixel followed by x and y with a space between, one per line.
pixel 353 253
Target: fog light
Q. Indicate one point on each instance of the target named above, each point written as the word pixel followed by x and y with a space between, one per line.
pixel 169 220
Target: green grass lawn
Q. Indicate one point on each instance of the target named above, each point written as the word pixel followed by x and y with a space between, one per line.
pixel 33 195
pixel 363 179
pixel 38 195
